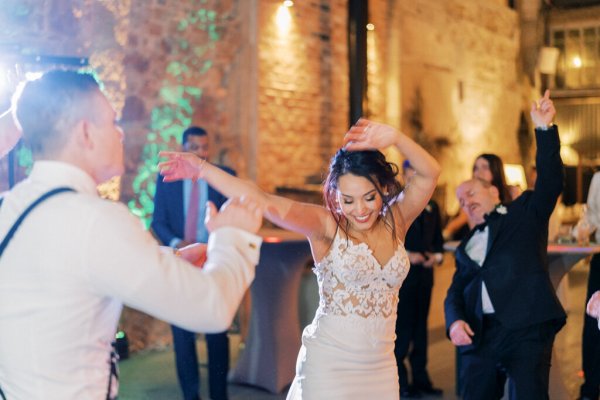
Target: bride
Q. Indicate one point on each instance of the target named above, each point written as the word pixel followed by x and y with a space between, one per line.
pixel 357 244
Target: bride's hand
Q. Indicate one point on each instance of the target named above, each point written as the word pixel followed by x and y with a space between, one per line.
pixel 180 165
pixel 369 135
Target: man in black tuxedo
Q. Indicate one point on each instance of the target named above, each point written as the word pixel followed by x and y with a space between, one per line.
pixel 425 246
pixel 590 343
pixel 171 224
pixel 501 309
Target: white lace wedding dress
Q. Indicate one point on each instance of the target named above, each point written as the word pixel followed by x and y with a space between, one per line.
pixel 348 350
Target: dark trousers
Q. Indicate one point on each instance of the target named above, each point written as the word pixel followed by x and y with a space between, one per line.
pixel 411 326
pixel 590 354
pixel 524 354
pixel 186 361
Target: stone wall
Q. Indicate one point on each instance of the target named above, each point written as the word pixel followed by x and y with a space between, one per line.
pixel 165 65
pixel 270 84
pixel 273 98
pixel 303 90
pixel 458 90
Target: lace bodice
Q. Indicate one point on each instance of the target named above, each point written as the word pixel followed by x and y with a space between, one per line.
pixel 352 282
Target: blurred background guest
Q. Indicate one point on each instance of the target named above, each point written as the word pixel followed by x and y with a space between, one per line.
pixel 424 245
pixel 179 209
pixel 490 168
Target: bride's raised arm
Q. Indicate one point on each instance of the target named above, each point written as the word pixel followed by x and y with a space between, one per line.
pixel 367 134
pixel 307 219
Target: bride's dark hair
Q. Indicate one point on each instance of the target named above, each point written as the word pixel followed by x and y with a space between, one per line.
pixel 369 164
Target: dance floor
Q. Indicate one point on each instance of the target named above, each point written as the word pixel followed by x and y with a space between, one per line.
pixel 151 375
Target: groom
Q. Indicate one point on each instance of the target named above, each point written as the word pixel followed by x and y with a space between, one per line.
pixel 501 309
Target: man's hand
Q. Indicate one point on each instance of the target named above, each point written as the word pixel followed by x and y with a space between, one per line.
pixel 461 333
pixel 542 112
pixel 593 306
pixel 193 253
pixel 415 258
pixel 182 244
pixel 430 260
pixel 238 212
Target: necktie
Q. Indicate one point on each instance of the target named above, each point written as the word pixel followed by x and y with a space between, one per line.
pixel 191 218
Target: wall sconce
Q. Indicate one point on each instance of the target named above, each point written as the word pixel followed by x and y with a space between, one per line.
pixel 370 27
pixel 569 155
pixel 284 17
pixel 547 59
pixel 577 62
pixel 515 175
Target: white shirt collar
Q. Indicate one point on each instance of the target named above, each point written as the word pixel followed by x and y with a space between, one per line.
pixel 57 173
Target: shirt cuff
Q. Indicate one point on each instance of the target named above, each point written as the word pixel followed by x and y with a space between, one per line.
pixel 247 242
pixel 174 242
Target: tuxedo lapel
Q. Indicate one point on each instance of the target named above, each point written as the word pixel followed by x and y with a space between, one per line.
pixel 494 221
pixel 461 253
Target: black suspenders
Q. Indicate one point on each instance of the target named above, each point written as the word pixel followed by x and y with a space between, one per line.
pixel 18 222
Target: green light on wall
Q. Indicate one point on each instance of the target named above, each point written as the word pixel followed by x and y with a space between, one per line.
pixel 174 115
pixel 25 158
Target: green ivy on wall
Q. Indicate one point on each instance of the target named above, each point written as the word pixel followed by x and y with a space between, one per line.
pixel 169 120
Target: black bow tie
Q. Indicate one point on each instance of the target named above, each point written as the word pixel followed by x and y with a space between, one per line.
pixel 480 227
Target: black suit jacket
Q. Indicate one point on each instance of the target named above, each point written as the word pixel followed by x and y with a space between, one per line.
pixel 515 270
pixel 168 221
pixel 425 233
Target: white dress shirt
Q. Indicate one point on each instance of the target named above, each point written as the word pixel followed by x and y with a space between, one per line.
pixel 593 211
pixel 72 264
pixel 593 203
pixel 476 249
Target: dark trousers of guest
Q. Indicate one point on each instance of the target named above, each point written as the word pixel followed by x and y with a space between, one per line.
pixel 524 353
pixel 590 354
pixel 186 361
pixel 411 325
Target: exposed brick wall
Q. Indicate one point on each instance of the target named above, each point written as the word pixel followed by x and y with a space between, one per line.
pixel 205 39
pixel 303 90
pixel 458 85
pixel 136 47
pixel 276 103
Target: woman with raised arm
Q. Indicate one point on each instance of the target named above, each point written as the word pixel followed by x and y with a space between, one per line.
pixel 360 262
